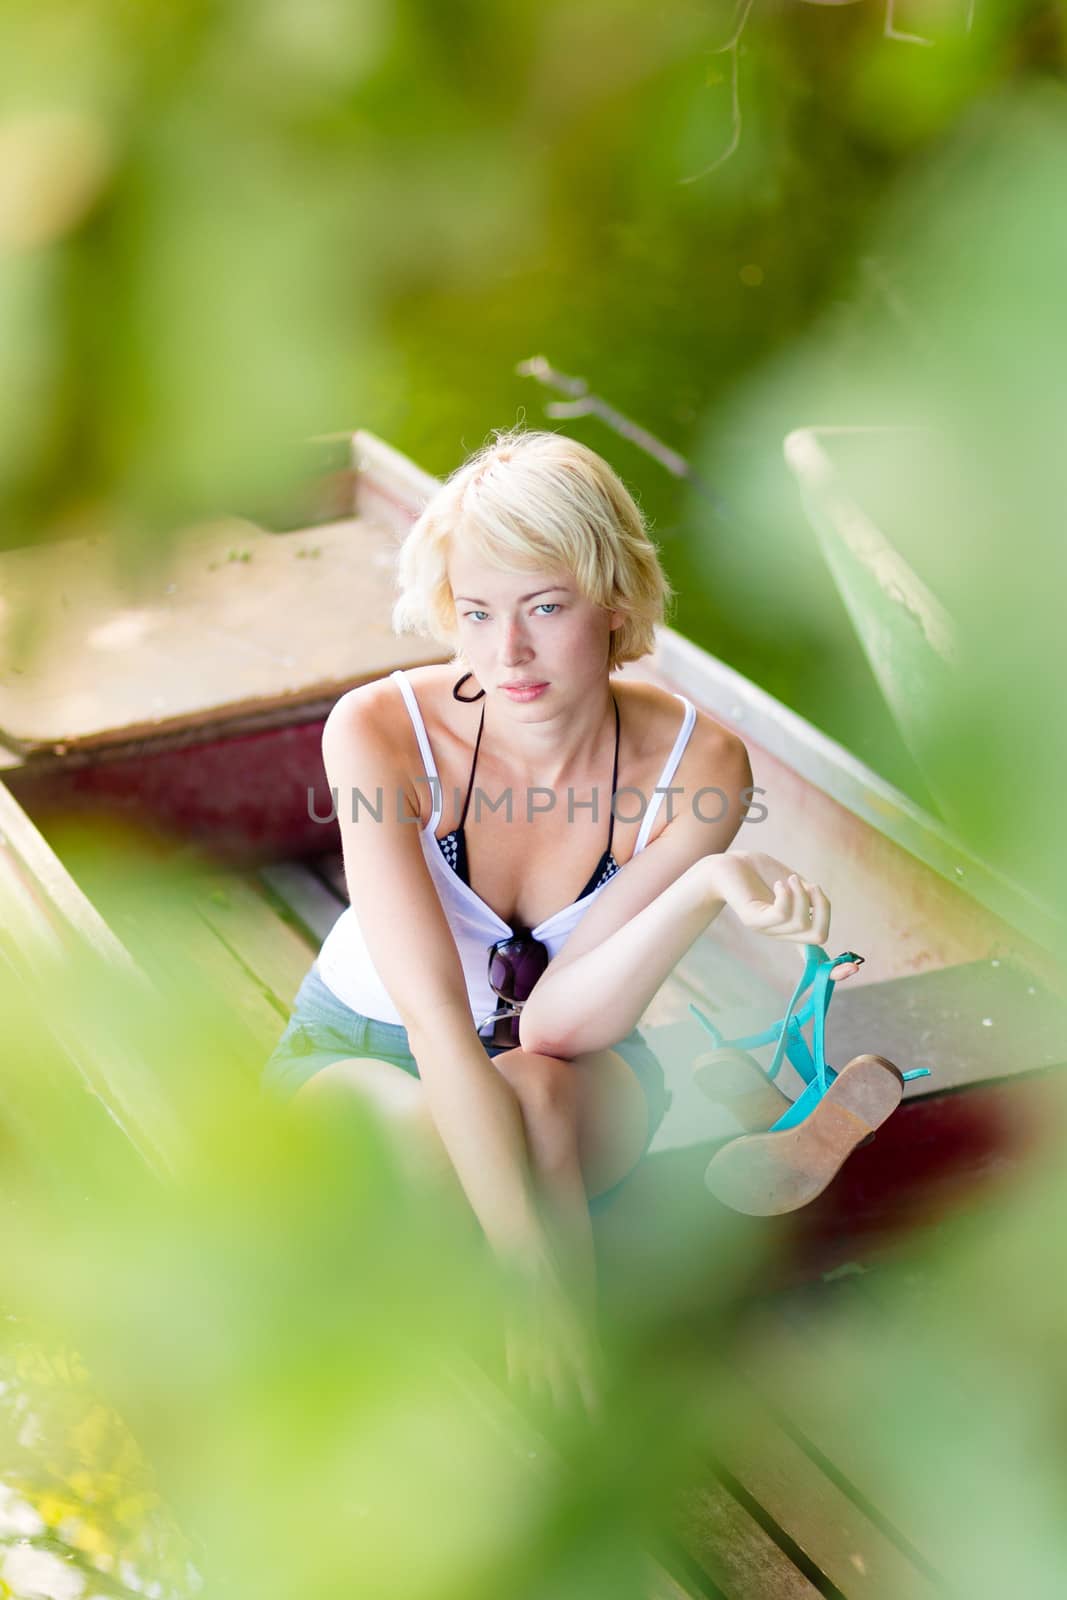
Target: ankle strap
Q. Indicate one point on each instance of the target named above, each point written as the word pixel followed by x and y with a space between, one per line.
pixel 787 1032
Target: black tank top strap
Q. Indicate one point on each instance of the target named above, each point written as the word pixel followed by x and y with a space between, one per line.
pixel 470 780
pixel 454 844
pixel 614 779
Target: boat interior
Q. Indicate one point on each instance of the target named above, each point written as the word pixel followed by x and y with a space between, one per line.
pixel 180 715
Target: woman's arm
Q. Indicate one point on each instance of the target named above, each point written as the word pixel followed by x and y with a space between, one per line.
pixel 646 918
pixel 627 944
pixel 411 945
pixel 593 999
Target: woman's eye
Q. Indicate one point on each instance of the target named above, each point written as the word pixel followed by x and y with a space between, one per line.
pixel 548 606
pixel 474 616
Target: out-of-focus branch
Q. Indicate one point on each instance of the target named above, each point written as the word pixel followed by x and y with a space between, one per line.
pixel 584 404
pixel 732 48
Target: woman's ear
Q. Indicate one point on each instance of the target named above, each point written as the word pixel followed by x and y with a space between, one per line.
pixel 615 620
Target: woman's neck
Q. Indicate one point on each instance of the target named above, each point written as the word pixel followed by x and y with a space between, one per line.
pixel 550 753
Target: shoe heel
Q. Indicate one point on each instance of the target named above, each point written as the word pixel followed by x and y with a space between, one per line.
pixel 870 1087
pixel 735 1081
pixel 768 1174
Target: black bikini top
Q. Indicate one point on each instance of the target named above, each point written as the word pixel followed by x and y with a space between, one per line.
pixel 454 844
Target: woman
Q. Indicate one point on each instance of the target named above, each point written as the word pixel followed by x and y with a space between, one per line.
pixel 525 820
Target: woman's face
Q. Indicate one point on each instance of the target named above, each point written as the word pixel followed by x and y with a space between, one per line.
pixel 529 637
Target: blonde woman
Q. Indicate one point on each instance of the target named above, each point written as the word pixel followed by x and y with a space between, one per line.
pixel 521 880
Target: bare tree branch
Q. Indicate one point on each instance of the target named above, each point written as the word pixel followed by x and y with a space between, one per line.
pixel 584 404
pixel 732 47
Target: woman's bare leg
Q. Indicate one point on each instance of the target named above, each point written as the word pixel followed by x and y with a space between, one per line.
pixel 547 1101
pixel 399 1099
pixel 547 1095
pixel 584 1123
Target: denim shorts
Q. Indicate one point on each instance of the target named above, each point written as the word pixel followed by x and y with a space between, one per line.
pixel 322 1030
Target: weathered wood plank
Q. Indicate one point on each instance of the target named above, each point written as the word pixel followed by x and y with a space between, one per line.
pixel 741 1559
pixel 274 954
pixel 53 938
pixel 970 1023
pixel 312 906
pixel 497 1410
pixel 331 869
pixel 235 621
pixel 45 879
pixel 186 944
pixel 785 1355
pixel 840 1540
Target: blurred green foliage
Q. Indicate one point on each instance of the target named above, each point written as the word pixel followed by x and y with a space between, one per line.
pixel 255 1362
pixel 229 226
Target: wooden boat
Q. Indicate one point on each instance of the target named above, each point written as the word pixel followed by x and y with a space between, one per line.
pixel 189 716
pixel 189 710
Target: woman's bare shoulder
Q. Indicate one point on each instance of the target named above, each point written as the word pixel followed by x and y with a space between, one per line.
pixel 374 715
pixel 657 717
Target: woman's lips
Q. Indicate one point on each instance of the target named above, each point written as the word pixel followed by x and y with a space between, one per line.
pixel 524 691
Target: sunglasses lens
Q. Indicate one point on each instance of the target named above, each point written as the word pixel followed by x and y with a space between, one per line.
pixel 515 966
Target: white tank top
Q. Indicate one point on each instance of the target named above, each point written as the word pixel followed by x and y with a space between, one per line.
pixel 344 963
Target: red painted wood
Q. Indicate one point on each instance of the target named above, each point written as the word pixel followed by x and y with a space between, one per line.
pixel 242 797
pixel 937 1157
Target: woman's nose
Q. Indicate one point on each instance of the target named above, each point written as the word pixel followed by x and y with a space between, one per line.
pixel 514 645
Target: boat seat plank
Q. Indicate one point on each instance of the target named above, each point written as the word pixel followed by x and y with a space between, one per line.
pixel 273 952
pixel 331 869
pixel 968 1023
pixel 933 1019
pixel 811 1510
pixel 784 1353
pixel 729 1546
pixel 976 1022
pixel 53 938
pixel 235 621
pixel 309 903
pixel 205 938
pixel 188 957
pixel 44 880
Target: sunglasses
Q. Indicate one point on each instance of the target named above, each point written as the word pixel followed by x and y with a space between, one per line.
pixel 515 964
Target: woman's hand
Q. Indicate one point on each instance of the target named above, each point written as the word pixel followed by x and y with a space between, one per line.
pixel 767 896
pixel 550 1347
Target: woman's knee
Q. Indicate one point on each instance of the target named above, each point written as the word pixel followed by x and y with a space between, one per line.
pixel 397 1100
pixel 543 1085
pixel 360 1084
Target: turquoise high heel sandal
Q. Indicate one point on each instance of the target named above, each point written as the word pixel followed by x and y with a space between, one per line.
pixel 766 1174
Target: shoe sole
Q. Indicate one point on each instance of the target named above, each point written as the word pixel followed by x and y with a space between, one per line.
pixel 768 1174
pixel 737 1083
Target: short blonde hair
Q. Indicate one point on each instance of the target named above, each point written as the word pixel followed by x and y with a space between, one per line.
pixel 531 500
